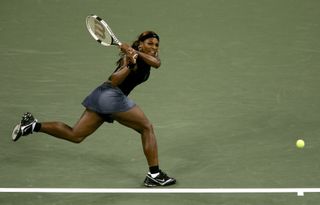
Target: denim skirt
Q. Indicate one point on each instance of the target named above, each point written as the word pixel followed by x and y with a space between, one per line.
pixel 106 100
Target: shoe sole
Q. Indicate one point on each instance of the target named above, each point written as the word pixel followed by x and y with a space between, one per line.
pixel 16 133
pixel 156 183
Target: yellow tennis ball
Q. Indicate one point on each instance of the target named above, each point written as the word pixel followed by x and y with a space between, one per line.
pixel 300 143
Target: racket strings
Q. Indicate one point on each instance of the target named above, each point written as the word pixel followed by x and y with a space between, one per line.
pixel 99 30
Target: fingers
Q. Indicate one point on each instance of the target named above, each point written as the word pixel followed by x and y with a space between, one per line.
pixel 131 53
pixel 132 58
pixel 124 47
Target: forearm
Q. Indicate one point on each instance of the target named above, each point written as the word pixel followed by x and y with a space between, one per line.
pixel 150 60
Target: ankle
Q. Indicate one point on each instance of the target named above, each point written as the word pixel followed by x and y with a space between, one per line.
pixel 154 169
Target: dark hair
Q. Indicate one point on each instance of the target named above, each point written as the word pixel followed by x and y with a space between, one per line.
pixel 142 37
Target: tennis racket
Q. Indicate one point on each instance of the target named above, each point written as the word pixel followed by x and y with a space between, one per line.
pixel 101 32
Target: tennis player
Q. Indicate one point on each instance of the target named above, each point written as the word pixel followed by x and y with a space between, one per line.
pixel 109 102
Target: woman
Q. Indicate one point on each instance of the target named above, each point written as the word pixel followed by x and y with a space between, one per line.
pixel 109 102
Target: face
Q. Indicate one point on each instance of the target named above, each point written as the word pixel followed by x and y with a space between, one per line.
pixel 149 46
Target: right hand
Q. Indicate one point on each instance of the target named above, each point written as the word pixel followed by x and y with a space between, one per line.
pixel 124 47
pixel 130 53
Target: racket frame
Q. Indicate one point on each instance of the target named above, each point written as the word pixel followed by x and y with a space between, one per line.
pixel 114 40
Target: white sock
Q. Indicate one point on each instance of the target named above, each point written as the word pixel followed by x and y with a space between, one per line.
pixel 154 175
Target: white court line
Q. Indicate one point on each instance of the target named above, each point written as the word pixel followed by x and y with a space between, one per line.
pixel 299 191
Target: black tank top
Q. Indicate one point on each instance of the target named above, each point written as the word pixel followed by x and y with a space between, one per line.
pixel 139 74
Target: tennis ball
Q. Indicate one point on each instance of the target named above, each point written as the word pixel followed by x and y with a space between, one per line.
pixel 300 143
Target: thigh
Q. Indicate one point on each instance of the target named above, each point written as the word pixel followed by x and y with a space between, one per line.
pixel 88 123
pixel 133 118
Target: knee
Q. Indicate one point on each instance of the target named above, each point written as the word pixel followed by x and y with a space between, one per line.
pixel 147 127
pixel 143 128
pixel 78 138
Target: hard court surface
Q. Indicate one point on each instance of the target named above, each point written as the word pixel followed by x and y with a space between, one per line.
pixel 238 85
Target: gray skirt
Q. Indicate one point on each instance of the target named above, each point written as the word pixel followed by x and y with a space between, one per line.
pixel 106 100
